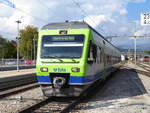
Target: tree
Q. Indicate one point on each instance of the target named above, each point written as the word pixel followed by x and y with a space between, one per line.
pixel 26 41
pixel 2 42
pixel 12 49
pixel 7 48
pixel 147 52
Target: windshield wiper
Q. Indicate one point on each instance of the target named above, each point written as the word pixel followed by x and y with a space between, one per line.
pixel 72 58
pixel 57 57
pixel 53 57
pixel 60 60
pixel 48 56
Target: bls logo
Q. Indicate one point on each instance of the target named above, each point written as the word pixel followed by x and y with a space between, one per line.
pixel 59 70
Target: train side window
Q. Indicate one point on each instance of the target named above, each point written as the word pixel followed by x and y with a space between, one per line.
pixel 94 51
pixel 90 50
pixel 90 53
pixel 107 59
pixel 99 56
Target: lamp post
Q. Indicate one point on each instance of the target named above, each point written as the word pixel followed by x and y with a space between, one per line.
pixel 135 44
pixel 1 55
pixel 18 22
pixel 135 49
pixel 34 48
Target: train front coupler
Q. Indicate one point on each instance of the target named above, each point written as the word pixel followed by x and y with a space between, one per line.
pixel 59 82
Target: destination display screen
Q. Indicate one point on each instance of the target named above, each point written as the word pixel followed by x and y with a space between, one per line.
pixel 63 38
pixel 62 46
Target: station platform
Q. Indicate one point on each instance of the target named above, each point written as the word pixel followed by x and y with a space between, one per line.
pixel 14 67
pixel 12 73
pixel 14 78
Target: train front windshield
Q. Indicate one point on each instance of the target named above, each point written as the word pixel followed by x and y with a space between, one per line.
pixel 62 46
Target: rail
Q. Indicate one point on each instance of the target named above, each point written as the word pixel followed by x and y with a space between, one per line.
pixel 18 89
pixel 55 104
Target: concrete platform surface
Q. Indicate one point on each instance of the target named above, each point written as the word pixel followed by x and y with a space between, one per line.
pixel 12 73
pixel 14 67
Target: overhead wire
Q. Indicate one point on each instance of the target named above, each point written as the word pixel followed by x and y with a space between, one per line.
pixel 76 3
pixel 85 14
pixel 44 4
pixel 25 12
pixel 20 10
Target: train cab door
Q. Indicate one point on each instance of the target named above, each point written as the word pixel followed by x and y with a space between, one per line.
pixel 92 55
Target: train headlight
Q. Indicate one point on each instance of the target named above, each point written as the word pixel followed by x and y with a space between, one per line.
pixel 75 69
pixel 44 69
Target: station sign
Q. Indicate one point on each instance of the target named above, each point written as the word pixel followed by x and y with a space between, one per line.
pixel 145 19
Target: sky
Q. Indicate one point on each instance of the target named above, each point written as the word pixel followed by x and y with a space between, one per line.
pixel 108 17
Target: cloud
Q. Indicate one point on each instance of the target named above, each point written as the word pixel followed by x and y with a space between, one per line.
pixel 142 32
pixel 110 15
pixel 95 20
pixel 123 11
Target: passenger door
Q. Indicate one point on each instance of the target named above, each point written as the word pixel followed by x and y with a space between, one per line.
pixel 91 61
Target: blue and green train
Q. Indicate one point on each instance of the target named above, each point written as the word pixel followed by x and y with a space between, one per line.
pixel 71 57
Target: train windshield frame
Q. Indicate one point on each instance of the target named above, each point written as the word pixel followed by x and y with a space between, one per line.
pixel 62 46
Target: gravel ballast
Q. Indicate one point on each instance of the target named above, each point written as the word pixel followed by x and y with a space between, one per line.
pixel 13 104
pixel 125 92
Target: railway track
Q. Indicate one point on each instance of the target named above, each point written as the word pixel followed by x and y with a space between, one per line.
pixel 142 72
pixel 147 68
pixel 51 105
pixel 146 73
pixel 15 81
pixel 64 105
pixel 18 89
pixel 16 84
